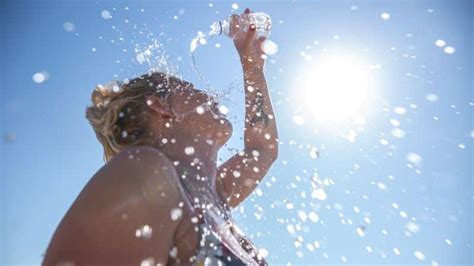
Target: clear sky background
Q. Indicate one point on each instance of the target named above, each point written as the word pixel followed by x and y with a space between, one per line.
pixel 398 184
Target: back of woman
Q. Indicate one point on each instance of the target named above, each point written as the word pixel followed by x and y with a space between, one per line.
pixel 122 216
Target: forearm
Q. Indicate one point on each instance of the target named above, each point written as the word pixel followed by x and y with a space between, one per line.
pixel 260 123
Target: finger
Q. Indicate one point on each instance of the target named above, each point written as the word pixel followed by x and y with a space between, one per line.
pixel 252 31
pixel 234 24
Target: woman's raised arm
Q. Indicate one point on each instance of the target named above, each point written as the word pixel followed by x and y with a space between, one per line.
pixel 242 172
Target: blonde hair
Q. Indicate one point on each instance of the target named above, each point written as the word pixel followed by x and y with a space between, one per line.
pixel 119 114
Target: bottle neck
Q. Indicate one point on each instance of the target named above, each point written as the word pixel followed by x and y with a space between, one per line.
pixel 225 27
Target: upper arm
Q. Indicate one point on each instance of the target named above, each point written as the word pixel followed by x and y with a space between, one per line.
pixel 241 174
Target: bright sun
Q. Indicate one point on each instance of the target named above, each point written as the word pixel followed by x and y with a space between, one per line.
pixel 338 88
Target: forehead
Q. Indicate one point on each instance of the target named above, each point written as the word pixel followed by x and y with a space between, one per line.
pixel 184 88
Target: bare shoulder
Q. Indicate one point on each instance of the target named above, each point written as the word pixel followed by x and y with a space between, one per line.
pixel 140 182
pixel 149 167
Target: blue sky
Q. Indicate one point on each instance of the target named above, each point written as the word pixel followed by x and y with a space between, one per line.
pixel 398 185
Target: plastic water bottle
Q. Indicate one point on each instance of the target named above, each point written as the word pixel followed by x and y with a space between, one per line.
pixel 262 22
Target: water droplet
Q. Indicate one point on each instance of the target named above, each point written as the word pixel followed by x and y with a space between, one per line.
pixel 262 253
pixel 176 213
pixel 432 97
pixel 314 153
pixel 449 50
pixel 302 215
pixel 440 43
pixel 200 110
pixel 144 231
pixel 69 26
pixel 269 47
pixel 400 110
pixel 140 58
pixel 319 194
pixel 255 153
pixel 116 88
pixel 396 251
pixel 381 186
pixel 291 229
pixel 394 122
pixel 313 217
pixel 106 14
pixel 236 173
pixel 40 77
pixel 174 252
pixel 189 150
pixel 385 16
pixel 412 227
pixel 398 132
pixel 419 255
pixel 148 262
pixel 223 109
pixel 414 158
pixel 351 136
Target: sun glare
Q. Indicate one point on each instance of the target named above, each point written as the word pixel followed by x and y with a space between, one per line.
pixel 337 89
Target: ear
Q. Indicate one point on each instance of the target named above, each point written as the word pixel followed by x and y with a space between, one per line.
pixel 159 106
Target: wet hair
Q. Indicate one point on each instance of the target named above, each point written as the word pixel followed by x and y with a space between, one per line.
pixel 120 115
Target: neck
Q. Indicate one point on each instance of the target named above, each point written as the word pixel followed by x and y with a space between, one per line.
pixel 196 158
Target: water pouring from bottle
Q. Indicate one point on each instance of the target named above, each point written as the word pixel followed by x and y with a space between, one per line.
pixel 262 22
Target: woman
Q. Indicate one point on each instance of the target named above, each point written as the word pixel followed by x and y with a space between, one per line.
pixel 160 199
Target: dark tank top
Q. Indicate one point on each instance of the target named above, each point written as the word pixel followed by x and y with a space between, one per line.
pixel 212 251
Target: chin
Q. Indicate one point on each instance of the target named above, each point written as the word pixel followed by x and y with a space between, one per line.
pixel 225 132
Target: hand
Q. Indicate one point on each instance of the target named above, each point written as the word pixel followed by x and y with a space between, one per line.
pixel 247 44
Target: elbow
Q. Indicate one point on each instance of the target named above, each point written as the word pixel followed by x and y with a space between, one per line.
pixel 273 151
pixel 269 151
pixel 274 156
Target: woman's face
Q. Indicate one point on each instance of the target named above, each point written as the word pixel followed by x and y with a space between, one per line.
pixel 198 114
